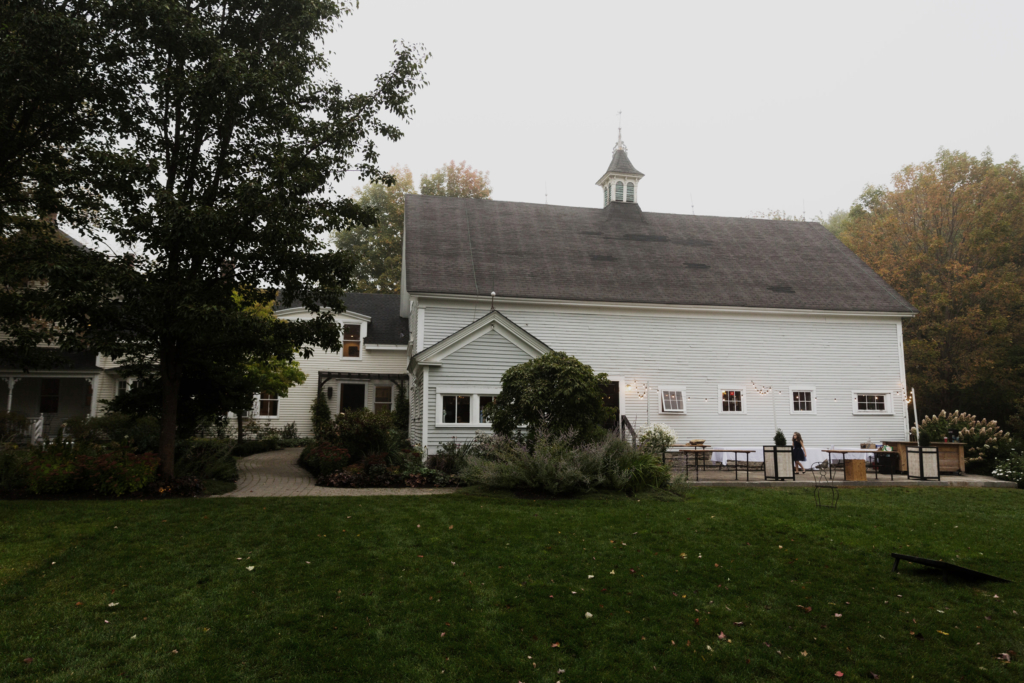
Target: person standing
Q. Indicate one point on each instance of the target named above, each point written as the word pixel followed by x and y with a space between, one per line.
pixel 799 452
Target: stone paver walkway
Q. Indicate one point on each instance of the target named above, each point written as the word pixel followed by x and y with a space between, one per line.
pixel 277 473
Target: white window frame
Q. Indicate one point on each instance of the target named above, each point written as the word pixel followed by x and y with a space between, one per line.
pixel 127 387
pixel 362 337
pixel 392 402
pixel 661 399
pixel 474 394
pixel 743 399
pixel 814 401
pixel 256 408
pixel 864 392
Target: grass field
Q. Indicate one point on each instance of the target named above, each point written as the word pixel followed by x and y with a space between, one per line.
pixel 487 587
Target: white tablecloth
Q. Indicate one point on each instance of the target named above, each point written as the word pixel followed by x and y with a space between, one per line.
pixel 815 454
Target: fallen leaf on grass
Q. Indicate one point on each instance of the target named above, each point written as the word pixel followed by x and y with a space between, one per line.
pixel 737 623
pixel 442 634
pixel 588 615
pixel 873 675
pixel 251 567
pixel 556 645
pixel 27 660
pixel 721 635
pixel 943 633
pixel 589 576
pixel 113 604
pixel 837 615
pixel 612 571
pixel 803 652
pixel 1003 656
pixel 806 609
pixel 133 637
pixel 709 648
pixel 839 674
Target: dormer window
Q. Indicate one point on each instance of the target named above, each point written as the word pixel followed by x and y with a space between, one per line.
pixel 351 341
pixel 618 191
pixel 630 196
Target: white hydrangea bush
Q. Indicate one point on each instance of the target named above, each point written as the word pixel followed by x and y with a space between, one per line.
pixel 657 437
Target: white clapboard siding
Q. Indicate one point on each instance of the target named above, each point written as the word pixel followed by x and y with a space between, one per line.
pixel 479 363
pixel 835 354
pixel 416 410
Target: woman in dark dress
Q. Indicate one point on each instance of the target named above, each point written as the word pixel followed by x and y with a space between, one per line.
pixel 799 454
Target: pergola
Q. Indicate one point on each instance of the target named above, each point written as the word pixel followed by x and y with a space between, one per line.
pixel 324 376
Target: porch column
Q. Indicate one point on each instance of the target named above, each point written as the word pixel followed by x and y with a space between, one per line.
pixel 93 395
pixel 11 381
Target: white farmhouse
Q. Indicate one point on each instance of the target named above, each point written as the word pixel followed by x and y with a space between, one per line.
pixel 722 328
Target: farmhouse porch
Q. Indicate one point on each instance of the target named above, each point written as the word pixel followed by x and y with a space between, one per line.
pixel 49 398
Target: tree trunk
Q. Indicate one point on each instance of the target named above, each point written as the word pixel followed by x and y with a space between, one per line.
pixel 171 385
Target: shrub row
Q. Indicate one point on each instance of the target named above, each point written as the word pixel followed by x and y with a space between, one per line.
pixel 385 478
pixel 558 465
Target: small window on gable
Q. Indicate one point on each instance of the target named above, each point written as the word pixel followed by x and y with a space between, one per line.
pixel 673 399
pixel 618 191
pixel 268 404
pixel 49 395
pixel 350 344
pixel 629 192
pixel 382 399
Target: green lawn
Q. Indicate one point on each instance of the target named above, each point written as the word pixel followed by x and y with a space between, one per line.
pixel 474 587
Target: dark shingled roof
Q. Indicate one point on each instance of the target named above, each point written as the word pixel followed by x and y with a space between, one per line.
pixel 621 165
pixel 622 254
pixel 386 325
pixel 78 360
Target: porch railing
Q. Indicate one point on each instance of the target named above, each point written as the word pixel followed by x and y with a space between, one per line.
pixel 626 426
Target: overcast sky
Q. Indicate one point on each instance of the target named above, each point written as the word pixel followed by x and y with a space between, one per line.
pixel 743 106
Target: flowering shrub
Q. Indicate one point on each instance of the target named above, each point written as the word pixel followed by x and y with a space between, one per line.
pixel 984 443
pixel 52 470
pixel 382 477
pixel 108 470
pixel 323 457
pixel 185 486
pixel 657 437
pixel 113 471
pixel 1011 468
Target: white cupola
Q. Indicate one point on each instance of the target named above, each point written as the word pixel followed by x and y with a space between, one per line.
pixel 621 180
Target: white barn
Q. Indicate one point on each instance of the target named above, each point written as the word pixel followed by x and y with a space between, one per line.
pixel 721 328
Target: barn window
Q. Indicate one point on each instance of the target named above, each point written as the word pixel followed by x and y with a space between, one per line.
pixel 872 403
pixel 673 399
pixel 732 399
pixel 802 400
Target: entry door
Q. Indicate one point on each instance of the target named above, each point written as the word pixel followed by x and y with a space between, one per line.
pixel 353 397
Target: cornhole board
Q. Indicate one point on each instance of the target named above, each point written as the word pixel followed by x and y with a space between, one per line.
pixel 963 572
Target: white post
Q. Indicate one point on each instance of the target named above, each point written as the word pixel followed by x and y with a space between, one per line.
pixel 11 381
pixel 93 395
pixel 917 428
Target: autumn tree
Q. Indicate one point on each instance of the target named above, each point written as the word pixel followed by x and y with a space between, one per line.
pixel 216 177
pixel 376 248
pixel 457 180
pixel 948 235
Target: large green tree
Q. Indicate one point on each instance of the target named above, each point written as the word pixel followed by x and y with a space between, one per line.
pixel 948 235
pixel 376 248
pixel 217 177
pixel 51 100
